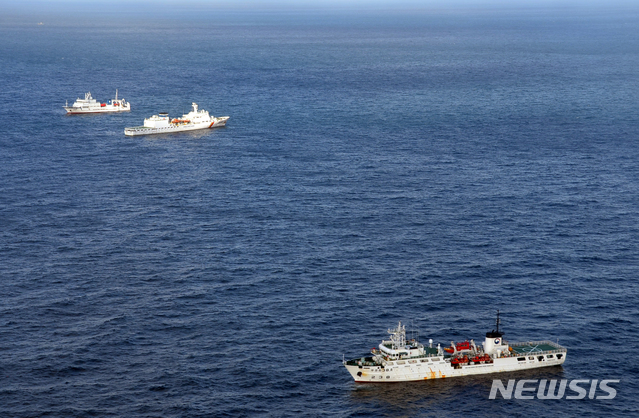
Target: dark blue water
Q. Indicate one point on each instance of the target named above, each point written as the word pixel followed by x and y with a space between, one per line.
pixel 428 167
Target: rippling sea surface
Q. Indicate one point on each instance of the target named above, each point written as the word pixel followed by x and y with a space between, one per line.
pixel 428 167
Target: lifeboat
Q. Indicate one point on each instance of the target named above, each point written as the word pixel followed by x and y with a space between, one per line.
pixel 460 360
pixel 484 358
pixel 462 346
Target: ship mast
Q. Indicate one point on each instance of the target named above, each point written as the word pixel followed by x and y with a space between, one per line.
pixel 398 336
pixel 495 333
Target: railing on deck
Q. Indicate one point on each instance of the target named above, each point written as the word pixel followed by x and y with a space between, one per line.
pixel 534 344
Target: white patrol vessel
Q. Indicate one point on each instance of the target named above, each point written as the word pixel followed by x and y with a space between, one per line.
pixel 90 105
pixel 399 360
pixel 194 120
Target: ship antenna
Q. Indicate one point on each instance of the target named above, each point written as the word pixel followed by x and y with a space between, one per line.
pixel 498 321
pixel 116 94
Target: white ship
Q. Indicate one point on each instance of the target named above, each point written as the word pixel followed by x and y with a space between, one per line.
pixel 160 123
pixel 399 360
pixel 90 105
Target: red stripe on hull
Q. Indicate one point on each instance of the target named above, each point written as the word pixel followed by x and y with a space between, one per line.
pixel 103 111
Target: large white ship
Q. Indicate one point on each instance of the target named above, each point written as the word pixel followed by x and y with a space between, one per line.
pixel 90 105
pixel 160 123
pixel 399 360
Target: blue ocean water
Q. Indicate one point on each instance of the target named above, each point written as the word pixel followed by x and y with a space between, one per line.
pixel 430 167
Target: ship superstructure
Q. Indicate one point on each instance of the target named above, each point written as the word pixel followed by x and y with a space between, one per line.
pixel 90 105
pixel 401 360
pixel 161 124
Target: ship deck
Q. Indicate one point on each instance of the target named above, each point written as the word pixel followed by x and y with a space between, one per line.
pixel 429 352
pixel 537 347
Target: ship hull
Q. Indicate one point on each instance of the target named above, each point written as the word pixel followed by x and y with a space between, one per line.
pixel 426 368
pixel 142 130
pixel 105 109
